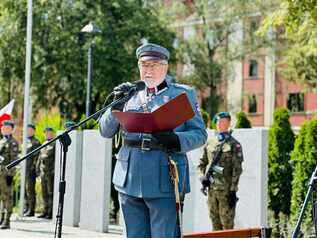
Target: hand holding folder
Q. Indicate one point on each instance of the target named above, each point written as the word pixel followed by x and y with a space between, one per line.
pixel 167 117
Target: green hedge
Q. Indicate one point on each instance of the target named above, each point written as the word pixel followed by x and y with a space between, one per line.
pixel 281 143
pixel 48 119
pixel 206 117
pixel 304 159
pixel 242 121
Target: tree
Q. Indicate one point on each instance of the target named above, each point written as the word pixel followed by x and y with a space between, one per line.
pixel 281 143
pixel 45 119
pixel 206 54
pixel 242 120
pixel 59 50
pixel 304 161
pixel 295 24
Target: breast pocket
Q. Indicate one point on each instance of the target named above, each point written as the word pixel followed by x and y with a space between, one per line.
pixel 122 167
pixel 133 107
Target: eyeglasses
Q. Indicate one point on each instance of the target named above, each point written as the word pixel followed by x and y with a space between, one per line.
pixel 150 66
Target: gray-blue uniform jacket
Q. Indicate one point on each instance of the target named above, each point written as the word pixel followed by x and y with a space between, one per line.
pixel 145 174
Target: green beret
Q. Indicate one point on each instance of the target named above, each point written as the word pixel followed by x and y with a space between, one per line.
pixel 221 115
pixel 48 129
pixel 8 123
pixel 150 51
pixel 69 124
pixel 31 126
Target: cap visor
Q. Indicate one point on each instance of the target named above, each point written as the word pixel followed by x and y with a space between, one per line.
pixel 148 58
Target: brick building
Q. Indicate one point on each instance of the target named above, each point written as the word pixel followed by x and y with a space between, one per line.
pixel 302 104
pixel 256 84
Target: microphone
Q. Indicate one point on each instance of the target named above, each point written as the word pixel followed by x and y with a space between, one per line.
pixel 129 88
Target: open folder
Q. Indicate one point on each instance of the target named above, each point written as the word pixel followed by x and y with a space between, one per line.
pixel 167 117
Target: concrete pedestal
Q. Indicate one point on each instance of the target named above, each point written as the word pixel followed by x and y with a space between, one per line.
pixel 96 179
pixel 72 178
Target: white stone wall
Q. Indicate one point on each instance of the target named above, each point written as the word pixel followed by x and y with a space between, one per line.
pixel 252 206
pixel 88 177
pixel 95 182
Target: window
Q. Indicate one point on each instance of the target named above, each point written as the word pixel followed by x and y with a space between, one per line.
pixel 253 69
pixel 253 26
pixel 295 102
pixel 252 104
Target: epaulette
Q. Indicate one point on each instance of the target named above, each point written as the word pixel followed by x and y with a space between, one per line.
pixel 182 86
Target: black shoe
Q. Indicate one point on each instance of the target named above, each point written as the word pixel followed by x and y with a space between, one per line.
pixel 5 225
pixel 29 214
pixel 43 215
pixel 49 216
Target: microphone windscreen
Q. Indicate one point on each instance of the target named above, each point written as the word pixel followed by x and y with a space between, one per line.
pixel 140 85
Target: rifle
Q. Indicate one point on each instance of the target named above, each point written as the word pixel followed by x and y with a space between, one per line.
pixel 207 179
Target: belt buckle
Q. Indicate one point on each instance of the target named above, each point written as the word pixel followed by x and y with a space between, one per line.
pixel 143 144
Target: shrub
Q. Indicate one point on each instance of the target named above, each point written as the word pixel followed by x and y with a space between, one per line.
pixel 242 121
pixel 304 160
pixel 48 119
pixel 206 117
pixel 281 143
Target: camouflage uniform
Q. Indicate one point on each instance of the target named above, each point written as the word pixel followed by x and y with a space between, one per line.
pixel 220 212
pixel 31 162
pixel 46 164
pixel 9 149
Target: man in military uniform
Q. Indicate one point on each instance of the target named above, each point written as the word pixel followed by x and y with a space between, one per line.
pixel 222 187
pixel 46 164
pixel 31 162
pixel 9 150
pixel 141 174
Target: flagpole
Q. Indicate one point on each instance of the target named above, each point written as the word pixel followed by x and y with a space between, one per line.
pixel 28 64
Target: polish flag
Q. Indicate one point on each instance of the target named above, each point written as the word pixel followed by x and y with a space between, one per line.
pixel 6 111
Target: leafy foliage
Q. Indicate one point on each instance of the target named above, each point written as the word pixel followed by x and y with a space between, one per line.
pixel 242 120
pixel 205 117
pixel 48 119
pixel 295 25
pixel 91 124
pixel 59 49
pixel 204 49
pixel 281 143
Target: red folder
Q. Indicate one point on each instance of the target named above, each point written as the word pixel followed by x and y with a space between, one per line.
pixel 167 117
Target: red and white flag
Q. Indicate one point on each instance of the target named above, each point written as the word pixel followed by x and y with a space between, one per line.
pixel 6 112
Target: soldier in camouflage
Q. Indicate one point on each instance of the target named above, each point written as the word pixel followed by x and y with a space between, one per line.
pixel 222 187
pixel 31 162
pixel 9 149
pixel 45 166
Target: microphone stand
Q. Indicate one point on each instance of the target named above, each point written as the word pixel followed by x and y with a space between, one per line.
pixel 65 142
